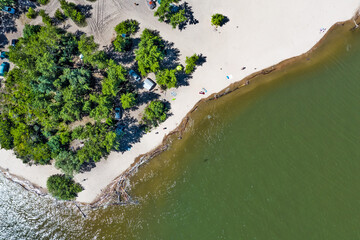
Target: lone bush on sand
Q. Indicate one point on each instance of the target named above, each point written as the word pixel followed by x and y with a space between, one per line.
pixel 191 63
pixel 63 187
pixel 217 20
pixel 127 27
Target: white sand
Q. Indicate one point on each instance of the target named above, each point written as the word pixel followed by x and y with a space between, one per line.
pixel 260 33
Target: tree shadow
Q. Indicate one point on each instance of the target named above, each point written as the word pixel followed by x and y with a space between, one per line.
pixel 189 14
pixel 224 21
pixel 132 132
pixel 85 9
pixel 87 166
pixel 3 40
pixel 171 56
pixel 7 23
pixel 201 60
pixel 183 79
pixel 146 97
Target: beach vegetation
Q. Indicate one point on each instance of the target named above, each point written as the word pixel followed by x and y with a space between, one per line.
pixel 155 113
pixel 167 78
pixel 6 3
pixel 31 13
pixel 6 139
pixel 45 94
pixel 217 20
pixel 60 17
pixel 168 12
pixel 150 52
pixel 128 100
pixel 122 44
pixel 43 2
pixel 127 27
pixel 191 63
pixel 178 18
pixel 71 11
pixel 45 18
pixel 63 187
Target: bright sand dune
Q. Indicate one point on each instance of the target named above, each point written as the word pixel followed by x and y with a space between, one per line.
pixel 260 33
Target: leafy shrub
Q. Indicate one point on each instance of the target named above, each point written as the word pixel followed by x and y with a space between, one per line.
pixel 30 30
pixel 59 15
pixel 6 139
pixel 45 18
pixel 43 2
pixel 178 18
pixel 191 63
pixel 71 11
pixel 155 113
pixel 150 52
pixel 128 100
pixel 122 43
pixel 127 27
pixel 31 13
pixel 166 78
pixel 217 19
pixel 63 187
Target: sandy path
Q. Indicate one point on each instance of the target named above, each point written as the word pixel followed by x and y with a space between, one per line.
pixel 260 33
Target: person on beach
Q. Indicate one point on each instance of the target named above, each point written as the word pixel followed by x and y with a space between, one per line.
pixel 201 92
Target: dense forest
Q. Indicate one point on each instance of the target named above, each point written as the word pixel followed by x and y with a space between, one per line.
pixel 50 91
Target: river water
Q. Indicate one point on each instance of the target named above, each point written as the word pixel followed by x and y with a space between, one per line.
pixel 279 159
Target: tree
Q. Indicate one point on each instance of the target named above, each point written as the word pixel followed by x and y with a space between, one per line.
pixel 6 3
pixel 191 63
pixel 128 100
pixel 31 13
pixel 122 43
pixel 115 76
pixel 154 113
pixel 71 11
pixel 43 2
pixel 68 162
pixel 150 52
pixel 127 27
pixel 59 15
pixel 6 139
pixel 166 78
pixel 178 18
pixel 217 20
pixel 63 187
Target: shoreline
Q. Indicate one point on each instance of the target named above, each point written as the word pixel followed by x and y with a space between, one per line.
pixel 111 191
pixel 107 192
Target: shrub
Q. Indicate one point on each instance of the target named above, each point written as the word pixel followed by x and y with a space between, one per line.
pixel 45 18
pixel 155 113
pixel 166 78
pixel 191 63
pixel 217 19
pixel 59 15
pixel 122 43
pixel 178 18
pixel 63 187
pixel 127 27
pixel 71 12
pixel 43 2
pixel 128 100
pixel 31 13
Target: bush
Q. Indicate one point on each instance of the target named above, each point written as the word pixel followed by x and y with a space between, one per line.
pixel 122 43
pixel 59 15
pixel 191 63
pixel 155 113
pixel 166 78
pixel 43 2
pixel 71 12
pixel 127 27
pixel 178 18
pixel 63 187
pixel 31 13
pixel 128 100
pixel 217 19
pixel 45 18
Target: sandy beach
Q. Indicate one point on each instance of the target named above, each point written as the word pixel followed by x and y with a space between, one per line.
pixel 259 34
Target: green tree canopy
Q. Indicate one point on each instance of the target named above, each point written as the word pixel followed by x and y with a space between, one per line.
pixel 128 100
pixel 63 187
pixel 166 78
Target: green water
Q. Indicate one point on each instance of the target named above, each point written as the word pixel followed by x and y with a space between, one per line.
pixel 279 159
